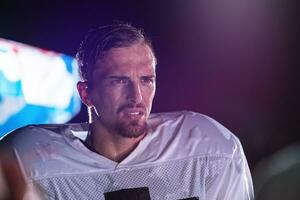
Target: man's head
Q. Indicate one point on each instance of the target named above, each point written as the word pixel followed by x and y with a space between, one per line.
pixel 117 67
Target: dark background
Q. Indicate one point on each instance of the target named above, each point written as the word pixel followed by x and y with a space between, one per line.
pixel 234 60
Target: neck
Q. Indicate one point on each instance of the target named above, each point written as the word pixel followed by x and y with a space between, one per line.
pixel 109 143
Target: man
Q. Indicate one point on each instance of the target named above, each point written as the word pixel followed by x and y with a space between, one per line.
pixel 124 152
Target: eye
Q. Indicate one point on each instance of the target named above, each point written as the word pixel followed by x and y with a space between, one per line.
pixel 120 81
pixel 148 80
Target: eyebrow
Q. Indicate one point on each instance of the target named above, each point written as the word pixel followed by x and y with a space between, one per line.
pixel 116 77
pixel 126 77
pixel 150 76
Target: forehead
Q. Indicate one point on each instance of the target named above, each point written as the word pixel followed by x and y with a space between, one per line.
pixel 137 57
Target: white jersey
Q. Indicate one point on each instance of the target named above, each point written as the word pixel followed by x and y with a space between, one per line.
pixel 184 155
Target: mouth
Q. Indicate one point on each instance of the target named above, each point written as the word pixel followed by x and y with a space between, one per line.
pixel 134 113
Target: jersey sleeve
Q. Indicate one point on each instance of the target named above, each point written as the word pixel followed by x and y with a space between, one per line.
pixel 235 182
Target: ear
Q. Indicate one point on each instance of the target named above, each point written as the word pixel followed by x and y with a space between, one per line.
pixel 83 93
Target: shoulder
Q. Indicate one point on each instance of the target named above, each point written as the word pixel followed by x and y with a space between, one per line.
pixel 30 133
pixel 196 133
pixel 40 150
pixel 29 136
pixel 55 128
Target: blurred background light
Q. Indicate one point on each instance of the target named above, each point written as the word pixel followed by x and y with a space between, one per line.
pixel 36 86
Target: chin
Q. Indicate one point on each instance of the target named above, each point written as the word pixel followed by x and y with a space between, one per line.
pixel 133 129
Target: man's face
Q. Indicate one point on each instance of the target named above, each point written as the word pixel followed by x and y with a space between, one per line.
pixel 123 89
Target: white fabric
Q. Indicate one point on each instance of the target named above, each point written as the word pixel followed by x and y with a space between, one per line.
pixel 185 154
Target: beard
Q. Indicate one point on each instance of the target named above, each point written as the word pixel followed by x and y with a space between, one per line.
pixel 126 126
pixel 131 129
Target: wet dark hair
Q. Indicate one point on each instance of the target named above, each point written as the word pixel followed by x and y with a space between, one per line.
pixel 102 39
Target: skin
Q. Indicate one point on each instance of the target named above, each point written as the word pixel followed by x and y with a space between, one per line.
pixel 120 99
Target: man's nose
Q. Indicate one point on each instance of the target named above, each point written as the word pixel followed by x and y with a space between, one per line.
pixel 135 93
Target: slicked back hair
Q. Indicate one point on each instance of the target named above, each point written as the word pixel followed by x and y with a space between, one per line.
pixel 102 39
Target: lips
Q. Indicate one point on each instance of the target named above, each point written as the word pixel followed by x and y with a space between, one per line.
pixel 134 113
